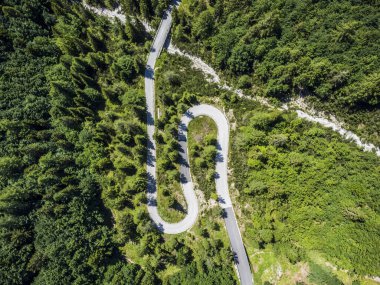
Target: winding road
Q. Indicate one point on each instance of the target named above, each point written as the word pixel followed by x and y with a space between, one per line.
pixel 240 256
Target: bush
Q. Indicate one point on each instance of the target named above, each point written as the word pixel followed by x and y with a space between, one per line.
pixel 172 78
pixel 244 82
pixel 125 68
pixel 256 187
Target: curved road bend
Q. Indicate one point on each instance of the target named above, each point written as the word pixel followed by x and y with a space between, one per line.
pixel 240 256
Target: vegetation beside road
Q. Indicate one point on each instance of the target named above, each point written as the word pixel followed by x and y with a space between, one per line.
pixel 307 190
pixel 72 124
pixel 72 166
pixel 299 189
pixel 325 51
pixel 73 153
pixel 202 148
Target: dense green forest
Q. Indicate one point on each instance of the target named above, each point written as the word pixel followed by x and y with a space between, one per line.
pixel 69 147
pixel 73 145
pixel 73 151
pixel 325 51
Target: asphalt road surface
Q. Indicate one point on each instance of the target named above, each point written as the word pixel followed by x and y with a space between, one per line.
pixel 240 256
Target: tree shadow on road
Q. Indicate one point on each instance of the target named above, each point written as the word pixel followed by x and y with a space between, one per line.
pixel 151 184
pixel 219 157
pixel 149 118
pixel 149 71
pixel 150 159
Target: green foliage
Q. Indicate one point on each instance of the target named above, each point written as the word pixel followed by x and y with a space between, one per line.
pixel 319 275
pixel 125 68
pixel 202 145
pixel 73 147
pixel 301 188
pixel 244 82
pixel 288 50
pixel 367 90
pixel 294 172
pixel 67 151
pixel 122 273
pixel 172 78
pixel 340 44
pixel 191 275
pixel 203 26
pixel 241 59
pixel 144 8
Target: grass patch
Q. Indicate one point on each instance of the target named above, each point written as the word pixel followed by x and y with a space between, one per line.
pixel 320 276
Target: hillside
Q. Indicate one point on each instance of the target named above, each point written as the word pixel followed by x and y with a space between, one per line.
pixel 324 51
pixel 304 197
pixel 74 146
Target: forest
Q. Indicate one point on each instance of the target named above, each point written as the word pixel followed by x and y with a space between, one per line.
pixel 69 90
pixel 73 152
pixel 304 197
pixel 73 143
pixel 324 51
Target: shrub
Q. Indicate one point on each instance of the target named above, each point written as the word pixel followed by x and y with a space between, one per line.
pixel 244 82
